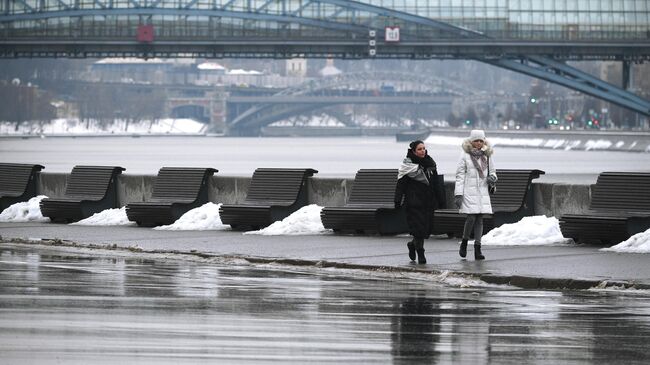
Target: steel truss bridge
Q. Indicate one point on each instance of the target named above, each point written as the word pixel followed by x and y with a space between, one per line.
pixel 510 38
pixel 349 88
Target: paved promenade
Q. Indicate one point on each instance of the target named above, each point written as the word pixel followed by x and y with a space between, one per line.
pixel 548 267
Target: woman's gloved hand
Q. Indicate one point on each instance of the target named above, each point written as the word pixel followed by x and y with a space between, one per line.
pixel 492 178
pixel 458 200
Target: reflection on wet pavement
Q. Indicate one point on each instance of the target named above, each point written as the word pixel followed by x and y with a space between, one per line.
pixel 79 308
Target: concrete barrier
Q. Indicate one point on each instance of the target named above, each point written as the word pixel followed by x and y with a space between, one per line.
pixel 549 199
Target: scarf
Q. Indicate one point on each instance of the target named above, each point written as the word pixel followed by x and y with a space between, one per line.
pixel 479 160
pixel 419 169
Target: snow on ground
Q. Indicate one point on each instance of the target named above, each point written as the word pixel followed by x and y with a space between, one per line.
pixel 639 243
pixel 535 230
pixel 108 217
pixel 304 221
pixel 28 211
pixel 203 218
pixel 76 127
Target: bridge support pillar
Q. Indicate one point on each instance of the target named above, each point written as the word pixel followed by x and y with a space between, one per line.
pixel 626 75
pixel 218 111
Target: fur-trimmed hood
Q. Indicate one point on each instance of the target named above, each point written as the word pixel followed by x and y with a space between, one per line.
pixel 487 147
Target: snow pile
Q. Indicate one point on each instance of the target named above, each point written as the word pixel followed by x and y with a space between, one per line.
pixel 203 218
pixel 28 211
pixel 555 143
pixel 639 243
pixel 536 230
pixel 243 72
pixel 172 126
pixel 118 127
pixel 108 217
pixel 600 144
pixel 304 221
pixel 571 145
pixel 210 66
pixel 516 142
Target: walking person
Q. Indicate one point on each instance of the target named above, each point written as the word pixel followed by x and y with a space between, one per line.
pixel 419 191
pixel 474 173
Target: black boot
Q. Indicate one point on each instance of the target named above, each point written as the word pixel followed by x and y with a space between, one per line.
pixel 411 247
pixel 477 251
pixel 421 258
pixel 463 248
pixel 419 247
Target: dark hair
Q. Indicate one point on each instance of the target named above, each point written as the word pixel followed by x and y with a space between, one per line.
pixel 413 145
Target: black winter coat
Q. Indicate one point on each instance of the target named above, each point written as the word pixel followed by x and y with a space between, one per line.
pixel 420 200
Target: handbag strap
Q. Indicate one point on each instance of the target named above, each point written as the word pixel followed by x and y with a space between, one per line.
pixel 488 171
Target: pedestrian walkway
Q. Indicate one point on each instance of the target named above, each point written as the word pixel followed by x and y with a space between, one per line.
pixel 547 267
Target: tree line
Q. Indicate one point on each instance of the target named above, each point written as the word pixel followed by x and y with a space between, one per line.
pixel 97 103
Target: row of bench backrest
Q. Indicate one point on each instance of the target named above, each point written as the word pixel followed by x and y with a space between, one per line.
pixel 90 181
pixel 14 177
pixel 276 185
pixel 613 190
pixel 512 187
pixel 180 183
pixel 616 191
pixel 373 186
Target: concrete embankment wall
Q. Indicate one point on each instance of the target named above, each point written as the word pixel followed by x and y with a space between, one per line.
pixel 549 199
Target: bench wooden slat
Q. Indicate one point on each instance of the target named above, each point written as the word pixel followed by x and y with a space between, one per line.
pixel 370 206
pixel 512 201
pixel 17 183
pixel 629 191
pixel 89 190
pixel 619 208
pixel 272 195
pixel 176 190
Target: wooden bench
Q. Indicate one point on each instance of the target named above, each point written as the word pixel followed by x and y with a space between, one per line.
pixel 619 208
pixel 370 207
pixel 176 191
pixel 17 183
pixel 89 190
pixel 273 194
pixel 512 201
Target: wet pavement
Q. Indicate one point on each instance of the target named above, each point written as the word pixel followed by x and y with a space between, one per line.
pixel 79 306
pixel 557 266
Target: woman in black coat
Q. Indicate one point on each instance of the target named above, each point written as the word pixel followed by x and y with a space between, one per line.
pixel 419 191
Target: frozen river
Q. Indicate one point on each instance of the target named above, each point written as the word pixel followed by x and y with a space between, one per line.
pixel 74 307
pixel 332 157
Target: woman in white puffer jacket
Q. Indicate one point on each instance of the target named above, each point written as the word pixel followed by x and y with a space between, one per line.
pixel 471 194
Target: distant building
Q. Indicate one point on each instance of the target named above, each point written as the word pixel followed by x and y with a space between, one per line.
pixel 210 73
pixel 128 70
pixel 296 67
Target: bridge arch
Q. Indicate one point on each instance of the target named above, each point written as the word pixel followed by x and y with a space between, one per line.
pixel 338 90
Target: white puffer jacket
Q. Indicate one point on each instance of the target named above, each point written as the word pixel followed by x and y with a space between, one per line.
pixel 476 198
